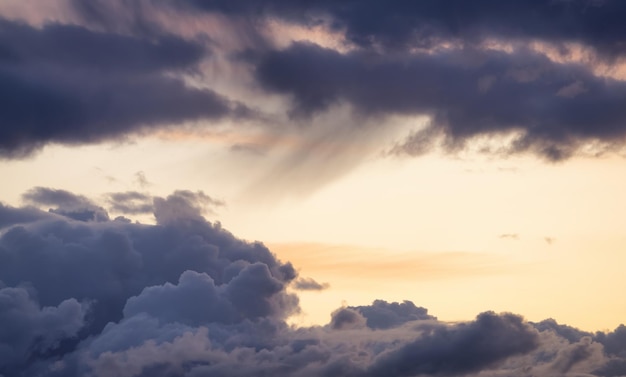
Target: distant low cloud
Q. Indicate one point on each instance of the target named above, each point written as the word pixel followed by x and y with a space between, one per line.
pixel 130 202
pixel 549 240
pixel 138 203
pixel 142 180
pixel 66 204
pixel 309 284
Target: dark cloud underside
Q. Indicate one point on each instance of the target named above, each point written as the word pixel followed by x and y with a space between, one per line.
pixel 68 84
pixel 401 24
pixel 466 93
pixel 71 84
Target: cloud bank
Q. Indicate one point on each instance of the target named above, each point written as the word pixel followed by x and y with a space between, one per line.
pixel 69 84
pixel 545 74
pixel 184 297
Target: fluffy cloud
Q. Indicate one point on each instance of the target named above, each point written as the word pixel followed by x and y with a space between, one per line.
pixel 184 297
pixel 29 331
pixel 383 315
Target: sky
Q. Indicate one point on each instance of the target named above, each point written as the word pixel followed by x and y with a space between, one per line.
pixel 312 188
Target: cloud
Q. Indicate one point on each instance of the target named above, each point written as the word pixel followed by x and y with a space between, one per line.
pixel 476 70
pixel 130 202
pixel 404 24
pixel 29 330
pixel 185 297
pixel 309 284
pixel 59 198
pixel 473 69
pixel 69 84
pixel 67 204
pixel 141 180
pixel 446 87
pixel 182 205
pixel 384 315
pixel 346 318
pixel 122 269
pixel 457 350
pixel 549 240
pixel 11 216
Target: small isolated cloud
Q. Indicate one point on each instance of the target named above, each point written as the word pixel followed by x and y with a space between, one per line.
pixel 141 180
pixel 248 148
pixel 549 240
pixel 509 236
pixel 309 284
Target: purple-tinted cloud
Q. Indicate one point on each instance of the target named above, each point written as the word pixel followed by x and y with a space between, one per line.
pixel 186 298
pixel 69 84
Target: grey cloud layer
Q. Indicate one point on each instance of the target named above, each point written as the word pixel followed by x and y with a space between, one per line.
pixel 100 297
pixel 466 93
pixel 68 84
pixel 465 90
pixel 407 23
pixel 73 84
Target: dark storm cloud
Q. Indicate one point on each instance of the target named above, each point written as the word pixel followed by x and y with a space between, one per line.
pixel 80 48
pixel 401 24
pixel 614 342
pixel 466 93
pixel 459 350
pixel 119 73
pixel 63 263
pixel 11 216
pixel 29 330
pixel 68 84
pixel 186 298
pixel 465 89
